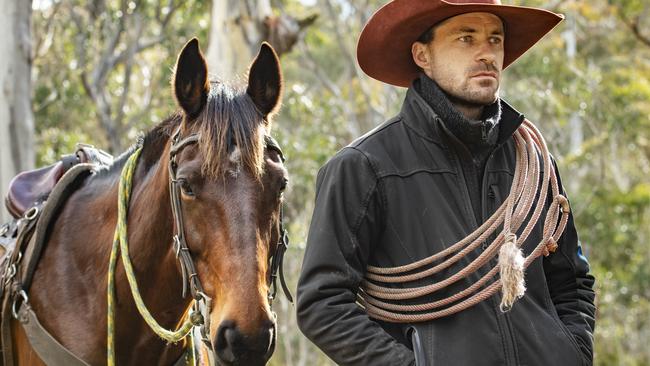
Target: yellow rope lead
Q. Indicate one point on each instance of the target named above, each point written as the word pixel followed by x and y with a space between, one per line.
pixel 121 239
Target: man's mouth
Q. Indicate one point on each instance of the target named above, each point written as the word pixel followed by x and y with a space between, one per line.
pixel 485 74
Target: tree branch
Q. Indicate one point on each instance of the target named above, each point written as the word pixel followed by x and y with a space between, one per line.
pixel 634 27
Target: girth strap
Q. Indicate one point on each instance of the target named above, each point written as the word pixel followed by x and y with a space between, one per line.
pixel 52 352
pixel 46 346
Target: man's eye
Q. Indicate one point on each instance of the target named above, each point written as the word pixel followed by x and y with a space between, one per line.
pixel 465 39
pixel 495 40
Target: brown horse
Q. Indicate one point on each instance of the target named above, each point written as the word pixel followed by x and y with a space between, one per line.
pixel 231 192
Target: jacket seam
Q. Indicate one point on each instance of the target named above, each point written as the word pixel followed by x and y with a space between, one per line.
pixel 573 337
pixel 421 134
pixel 501 171
pixel 409 173
pixel 363 213
pixel 358 142
pixel 504 348
pixel 374 188
pixel 377 187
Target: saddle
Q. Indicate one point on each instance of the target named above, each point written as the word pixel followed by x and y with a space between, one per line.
pixel 35 197
pixel 33 186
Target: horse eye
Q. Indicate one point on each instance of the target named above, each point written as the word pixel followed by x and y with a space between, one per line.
pixel 284 184
pixel 186 188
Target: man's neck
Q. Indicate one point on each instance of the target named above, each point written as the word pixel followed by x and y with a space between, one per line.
pixel 470 112
pixel 474 125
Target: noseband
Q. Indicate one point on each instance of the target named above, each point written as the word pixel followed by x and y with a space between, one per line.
pixel 188 270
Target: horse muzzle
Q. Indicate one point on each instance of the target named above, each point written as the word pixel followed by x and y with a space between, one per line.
pixel 234 348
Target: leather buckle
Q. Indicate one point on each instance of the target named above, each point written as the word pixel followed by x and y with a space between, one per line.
pixel 25 300
pixel 11 269
pixel 31 213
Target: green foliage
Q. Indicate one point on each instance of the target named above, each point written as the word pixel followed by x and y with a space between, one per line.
pixel 72 38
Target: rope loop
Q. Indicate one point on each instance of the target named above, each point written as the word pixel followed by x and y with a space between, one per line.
pixel 521 212
pixel 510 238
pixel 563 202
pixel 550 247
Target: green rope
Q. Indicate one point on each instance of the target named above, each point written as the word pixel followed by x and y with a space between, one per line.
pixel 121 239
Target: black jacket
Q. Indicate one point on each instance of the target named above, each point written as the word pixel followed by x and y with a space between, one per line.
pixel 401 193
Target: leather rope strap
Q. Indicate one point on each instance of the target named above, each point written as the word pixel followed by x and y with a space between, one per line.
pixel 120 244
pixel 277 261
pixel 202 302
pixel 379 296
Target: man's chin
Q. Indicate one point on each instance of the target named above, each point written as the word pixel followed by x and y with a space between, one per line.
pixel 475 101
pixel 474 96
pixel 483 97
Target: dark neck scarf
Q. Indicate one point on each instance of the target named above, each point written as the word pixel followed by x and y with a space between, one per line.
pixel 479 136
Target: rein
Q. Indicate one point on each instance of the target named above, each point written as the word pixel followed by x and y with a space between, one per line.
pixel 378 296
pixel 199 315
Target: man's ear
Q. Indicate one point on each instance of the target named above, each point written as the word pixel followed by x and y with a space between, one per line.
pixel 265 80
pixel 420 53
pixel 190 82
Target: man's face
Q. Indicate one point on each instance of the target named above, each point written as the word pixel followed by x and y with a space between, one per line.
pixel 465 57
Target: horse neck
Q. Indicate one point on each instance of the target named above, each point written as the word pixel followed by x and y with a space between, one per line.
pixel 150 226
pixel 76 258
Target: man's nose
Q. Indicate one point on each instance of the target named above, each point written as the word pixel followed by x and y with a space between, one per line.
pixel 487 54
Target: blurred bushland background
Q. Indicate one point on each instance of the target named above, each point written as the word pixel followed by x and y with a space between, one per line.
pixel 98 72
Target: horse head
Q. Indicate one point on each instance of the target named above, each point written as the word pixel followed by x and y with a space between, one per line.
pixel 231 188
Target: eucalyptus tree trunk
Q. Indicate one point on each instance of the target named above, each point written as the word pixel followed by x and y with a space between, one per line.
pixel 118 36
pixel 237 29
pixel 16 117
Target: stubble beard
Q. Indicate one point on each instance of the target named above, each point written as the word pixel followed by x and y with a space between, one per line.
pixel 464 95
pixel 460 92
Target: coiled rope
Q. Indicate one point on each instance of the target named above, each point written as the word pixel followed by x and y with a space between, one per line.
pixel 121 241
pixel 378 298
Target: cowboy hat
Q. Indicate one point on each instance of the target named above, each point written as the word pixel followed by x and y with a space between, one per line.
pixel 384 48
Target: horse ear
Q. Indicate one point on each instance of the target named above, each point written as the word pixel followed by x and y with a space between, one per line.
pixel 265 80
pixel 190 82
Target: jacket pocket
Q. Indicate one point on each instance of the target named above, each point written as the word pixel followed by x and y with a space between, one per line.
pixel 418 351
pixel 572 339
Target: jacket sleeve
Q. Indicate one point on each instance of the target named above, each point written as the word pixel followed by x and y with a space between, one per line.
pixel 347 219
pixel 571 287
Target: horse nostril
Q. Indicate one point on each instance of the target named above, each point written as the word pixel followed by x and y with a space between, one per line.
pixel 225 342
pixel 271 335
pixel 233 347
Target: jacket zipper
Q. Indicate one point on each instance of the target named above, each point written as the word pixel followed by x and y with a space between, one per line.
pixel 484 127
pixel 456 158
pixel 503 319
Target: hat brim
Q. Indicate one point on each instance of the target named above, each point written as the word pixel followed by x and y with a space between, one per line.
pixel 384 48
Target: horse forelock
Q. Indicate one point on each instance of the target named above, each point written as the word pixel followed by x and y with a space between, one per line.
pixel 230 126
pixel 230 121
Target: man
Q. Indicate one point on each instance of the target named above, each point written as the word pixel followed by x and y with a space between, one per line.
pixel 425 180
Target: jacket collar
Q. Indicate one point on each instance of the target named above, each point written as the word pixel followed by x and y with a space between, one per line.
pixel 419 116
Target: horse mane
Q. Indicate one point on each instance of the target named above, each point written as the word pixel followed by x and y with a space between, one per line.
pixel 229 119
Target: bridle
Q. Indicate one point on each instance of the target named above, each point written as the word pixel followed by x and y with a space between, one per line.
pixel 191 280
